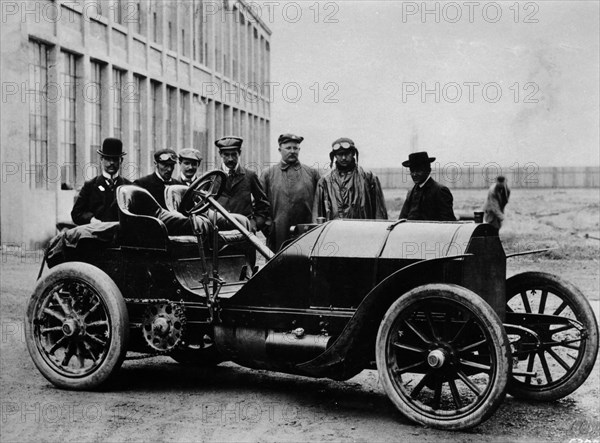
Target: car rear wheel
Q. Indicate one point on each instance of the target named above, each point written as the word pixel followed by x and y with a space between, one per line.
pixel 443 356
pixel 77 326
pixel 562 353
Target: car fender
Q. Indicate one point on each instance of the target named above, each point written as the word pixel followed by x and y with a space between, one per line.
pixel 354 348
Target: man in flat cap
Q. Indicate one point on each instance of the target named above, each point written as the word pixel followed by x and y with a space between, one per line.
pixel 243 192
pixel 290 187
pixel 189 162
pixel 427 200
pixel 96 200
pixel 155 183
pixel 348 191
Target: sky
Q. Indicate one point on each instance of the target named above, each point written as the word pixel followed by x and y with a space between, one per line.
pixel 469 82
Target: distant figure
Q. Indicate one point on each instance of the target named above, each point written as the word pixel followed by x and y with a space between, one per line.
pixel 348 191
pixel 427 200
pixel 497 199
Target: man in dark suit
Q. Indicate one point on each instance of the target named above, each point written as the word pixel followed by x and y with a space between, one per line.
pixel 243 192
pixel 427 200
pixel 96 200
pixel 155 183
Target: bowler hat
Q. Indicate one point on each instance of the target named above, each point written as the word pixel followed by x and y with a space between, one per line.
pixel 229 142
pixel 190 154
pixel 418 158
pixel 284 138
pixel 165 156
pixel 111 147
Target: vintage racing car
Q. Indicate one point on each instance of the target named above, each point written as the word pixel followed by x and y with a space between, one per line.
pixel 426 304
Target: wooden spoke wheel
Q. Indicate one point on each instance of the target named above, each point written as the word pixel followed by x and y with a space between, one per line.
pixel 566 347
pixel 443 356
pixel 77 326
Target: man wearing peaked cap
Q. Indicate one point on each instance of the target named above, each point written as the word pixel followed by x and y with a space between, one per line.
pixel 155 183
pixel 189 161
pixel 96 200
pixel 290 188
pixel 427 200
pixel 243 192
pixel 348 191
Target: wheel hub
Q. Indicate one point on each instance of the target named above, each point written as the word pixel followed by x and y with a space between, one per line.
pixel 163 325
pixel 70 327
pixel 436 358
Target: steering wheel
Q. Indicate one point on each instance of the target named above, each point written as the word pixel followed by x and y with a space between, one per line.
pixel 195 199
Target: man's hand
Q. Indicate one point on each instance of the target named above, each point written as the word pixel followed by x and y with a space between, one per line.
pixel 253 226
pixel 94 220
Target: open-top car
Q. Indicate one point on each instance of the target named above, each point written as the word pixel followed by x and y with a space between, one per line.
pixel 426 304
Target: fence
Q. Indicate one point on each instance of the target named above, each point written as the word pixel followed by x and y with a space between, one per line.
pixel 528 176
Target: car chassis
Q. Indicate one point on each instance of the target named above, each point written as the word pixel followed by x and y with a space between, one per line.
pixel 426 304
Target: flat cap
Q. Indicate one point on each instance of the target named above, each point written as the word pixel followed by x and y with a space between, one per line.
pixel 229 142
pixel 284 138
pixel 190 154
pixel 165 156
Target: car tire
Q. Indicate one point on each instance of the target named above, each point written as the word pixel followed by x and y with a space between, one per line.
pixel 548 294
pixel 443 357
pixel 77 326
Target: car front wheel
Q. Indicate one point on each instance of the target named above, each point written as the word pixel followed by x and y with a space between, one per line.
pixel 443 356
pixel 77 326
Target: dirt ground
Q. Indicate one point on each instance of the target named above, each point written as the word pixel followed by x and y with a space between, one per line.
pixel 158 399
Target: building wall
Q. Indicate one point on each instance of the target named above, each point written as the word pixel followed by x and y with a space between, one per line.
pixel 171 74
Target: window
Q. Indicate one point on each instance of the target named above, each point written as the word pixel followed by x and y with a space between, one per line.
pixel 155 21
pixel 200 124
pixel 137 125
pixel 234 52
pixel 184 25
pixel 67 154
pixel 38 114
pixel 242 45
pixel 172 26
pixel 118 76
pixel 198 32
pixel 94 97
pixel 156 102
pixel 171 112
pixel 134 15
pixel 185 119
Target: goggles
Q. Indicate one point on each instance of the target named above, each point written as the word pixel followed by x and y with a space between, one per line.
pixel 342 145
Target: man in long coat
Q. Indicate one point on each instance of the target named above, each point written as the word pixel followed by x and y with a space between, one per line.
pixel 427 200
pixel 96 200
pixel 290 187
pixel 243 192
pixel 348 191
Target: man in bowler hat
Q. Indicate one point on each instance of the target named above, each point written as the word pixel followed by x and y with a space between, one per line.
pixel 427 200
pixel 96 200
pixel 243 192
pixel 155 183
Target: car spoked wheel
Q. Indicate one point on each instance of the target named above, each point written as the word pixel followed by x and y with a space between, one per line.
pixel 77 327
pixel 443 356
pixel 555 360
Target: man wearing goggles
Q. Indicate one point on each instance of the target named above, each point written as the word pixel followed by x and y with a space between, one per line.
pixel 155 183
pixel 348 191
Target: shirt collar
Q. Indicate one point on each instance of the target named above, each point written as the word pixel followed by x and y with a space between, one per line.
pixel 185 180
pixel 107 176
pixel 160 178
pixel 226 169
pixel 284 166
pixel 425 182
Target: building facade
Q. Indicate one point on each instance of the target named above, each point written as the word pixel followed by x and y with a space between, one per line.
pixel 154 73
